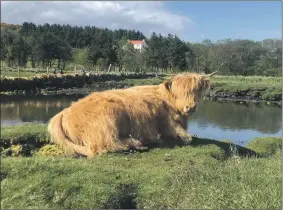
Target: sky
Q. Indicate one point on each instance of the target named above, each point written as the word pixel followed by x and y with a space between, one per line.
pixel 192 21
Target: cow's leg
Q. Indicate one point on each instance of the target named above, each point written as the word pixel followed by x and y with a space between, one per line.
pixel 175 133
pixel 132 143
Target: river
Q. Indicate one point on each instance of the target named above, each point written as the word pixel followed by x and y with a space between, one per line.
pixel 238 122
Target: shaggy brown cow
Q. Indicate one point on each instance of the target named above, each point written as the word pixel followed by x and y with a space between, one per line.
pixel 119 119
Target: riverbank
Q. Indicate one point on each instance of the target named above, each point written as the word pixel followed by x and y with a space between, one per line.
pixel 207 174
pixel 231 88
pixel 247 88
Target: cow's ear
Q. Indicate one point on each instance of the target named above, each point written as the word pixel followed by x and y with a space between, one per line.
pixel 168 84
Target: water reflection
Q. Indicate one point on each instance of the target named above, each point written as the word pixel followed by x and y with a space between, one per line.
pixel 37 109
pixel 235 116
pixel 219 120
pixel 237 122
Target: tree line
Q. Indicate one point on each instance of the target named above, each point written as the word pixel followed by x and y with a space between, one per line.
pixel 96 48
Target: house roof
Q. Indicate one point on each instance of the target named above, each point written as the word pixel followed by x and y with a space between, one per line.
pixel 136 41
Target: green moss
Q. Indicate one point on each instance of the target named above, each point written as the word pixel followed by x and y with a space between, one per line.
pixel 50 150
pixel 17 150
pixel 265 146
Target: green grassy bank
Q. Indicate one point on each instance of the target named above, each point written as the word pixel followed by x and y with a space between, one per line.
pixel 223 87
pixel 263 88
pixel 207 174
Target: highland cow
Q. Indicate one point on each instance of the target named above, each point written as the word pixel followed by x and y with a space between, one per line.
pixel 135 117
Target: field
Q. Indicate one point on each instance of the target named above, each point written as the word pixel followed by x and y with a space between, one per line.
pixel 232 83
pixel 24 72
pixel 268 88
pixel 207 174
pixel 243 83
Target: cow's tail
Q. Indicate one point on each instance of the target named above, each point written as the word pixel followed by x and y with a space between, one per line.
pixel 58 136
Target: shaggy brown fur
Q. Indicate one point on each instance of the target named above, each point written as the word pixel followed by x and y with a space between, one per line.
pixel 120 119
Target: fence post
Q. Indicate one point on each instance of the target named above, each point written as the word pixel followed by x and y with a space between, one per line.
pixel 75 69
pixel 18 71
pixel 109 67
pixel 47 70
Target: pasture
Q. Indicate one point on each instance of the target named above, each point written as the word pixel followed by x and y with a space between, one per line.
pixel 208 174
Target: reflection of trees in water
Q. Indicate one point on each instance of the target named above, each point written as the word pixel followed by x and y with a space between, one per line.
pixel 10 113
pixel 37 109
pixel 260 117
pixel 39 114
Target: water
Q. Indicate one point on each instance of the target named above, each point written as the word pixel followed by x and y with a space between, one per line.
pixel 237 122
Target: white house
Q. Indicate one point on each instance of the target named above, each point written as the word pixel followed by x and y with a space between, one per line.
pixel 138 44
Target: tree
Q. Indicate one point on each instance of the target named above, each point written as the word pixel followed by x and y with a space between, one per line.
pixel 4 50
pixel 91 46
pixel 81 56
pixel 120 49
pixel 180 50
pixel 151 51
pixel 128 60
pixel 190 57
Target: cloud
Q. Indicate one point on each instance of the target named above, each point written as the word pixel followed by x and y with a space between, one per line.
pixel 143 16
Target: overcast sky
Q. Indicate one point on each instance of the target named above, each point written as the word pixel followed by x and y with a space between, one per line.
pixel 190 20
pixel 143 16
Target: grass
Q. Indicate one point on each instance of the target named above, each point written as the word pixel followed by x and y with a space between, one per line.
pixel 268 88
pixel 221 83
pixel 136 82
pixel 241 85
pixel 264 147
pixel 254 87
pixel 28 133
pixel 246 82
pixel 125 83
pixel 15 74
pixel 24 73
pixel 249 79
pixel 207 174
pixel 23 140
